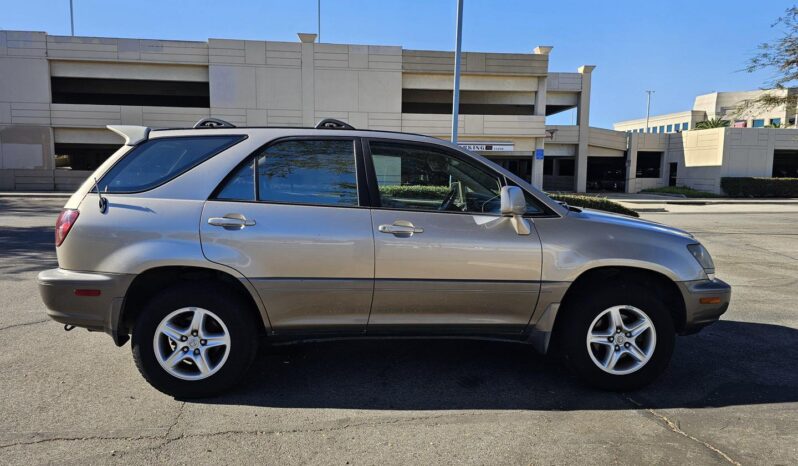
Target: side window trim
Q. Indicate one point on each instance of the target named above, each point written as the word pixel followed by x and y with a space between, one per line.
pixel 360 172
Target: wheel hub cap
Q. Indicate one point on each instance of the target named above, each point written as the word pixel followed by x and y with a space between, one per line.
pixel 621 340
pixel 191 343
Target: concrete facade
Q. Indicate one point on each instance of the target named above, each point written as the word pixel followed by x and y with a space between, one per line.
pixel 504 101
pixel 728 106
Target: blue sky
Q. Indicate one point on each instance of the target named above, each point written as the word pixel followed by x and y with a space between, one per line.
pixel 679 48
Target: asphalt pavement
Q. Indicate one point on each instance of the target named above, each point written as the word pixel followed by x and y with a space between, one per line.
pixel 729 396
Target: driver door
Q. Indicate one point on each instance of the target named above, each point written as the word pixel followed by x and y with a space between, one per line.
pixel 443 253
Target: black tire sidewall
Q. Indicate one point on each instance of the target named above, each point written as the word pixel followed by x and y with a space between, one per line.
pixel 580 315
pixel 220 300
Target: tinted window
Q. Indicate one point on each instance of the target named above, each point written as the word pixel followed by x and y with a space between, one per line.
pixel 320 172
pixel 241 186
pixel 157 161
pixel 419 178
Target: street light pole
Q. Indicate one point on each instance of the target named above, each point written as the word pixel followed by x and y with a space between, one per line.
pixel 456 93
pixel 71 19
pixel 318 19
pixel 648 107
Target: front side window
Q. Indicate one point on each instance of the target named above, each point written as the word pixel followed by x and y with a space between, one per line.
pixel 157 161
pixel 419 178
pixel 316 172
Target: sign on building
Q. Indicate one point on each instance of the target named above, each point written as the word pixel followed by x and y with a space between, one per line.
pixel 475 146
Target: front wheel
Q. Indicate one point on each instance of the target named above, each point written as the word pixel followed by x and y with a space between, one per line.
pixel 194 340
pixel 619 339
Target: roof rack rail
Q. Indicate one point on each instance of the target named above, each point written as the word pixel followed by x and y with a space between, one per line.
pixel 331 123
pixel 213 123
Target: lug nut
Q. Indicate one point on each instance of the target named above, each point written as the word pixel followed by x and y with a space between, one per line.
pixel 194 332
pixel 196 351
pixel 617 348
pixel 610 339
pixel 203 342
pixel 626 345
pixel 185 349
pixel 629 334
pixel 618 330
pixel 183 338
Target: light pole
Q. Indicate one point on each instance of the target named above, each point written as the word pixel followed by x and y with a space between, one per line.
pixel 648 107
pixel 71 19
pixel 318 19
pixel 456 93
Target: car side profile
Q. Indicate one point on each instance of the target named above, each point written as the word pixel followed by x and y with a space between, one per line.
pixel 197 243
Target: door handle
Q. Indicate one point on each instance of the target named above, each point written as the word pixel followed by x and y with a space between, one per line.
pixel 400 228
pixel 231 222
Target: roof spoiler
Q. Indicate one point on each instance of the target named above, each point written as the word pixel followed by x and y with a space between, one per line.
pixel 132 134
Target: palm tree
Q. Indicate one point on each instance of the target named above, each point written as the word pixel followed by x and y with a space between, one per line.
pixel 712 123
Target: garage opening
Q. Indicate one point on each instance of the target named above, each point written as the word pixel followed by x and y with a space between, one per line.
pixel 520 166
pixel 101 91
pixel 558 173
pixel 471 102
pixel 82 156
pixel 606 174
pixel 785 164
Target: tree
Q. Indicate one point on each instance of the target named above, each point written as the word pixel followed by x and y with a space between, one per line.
pixel 780 56
pixel 712 123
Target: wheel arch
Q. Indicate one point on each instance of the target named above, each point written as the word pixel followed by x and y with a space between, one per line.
pixel 619 276
pixel 149 282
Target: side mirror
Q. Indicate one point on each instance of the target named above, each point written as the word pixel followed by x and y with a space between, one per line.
pixel 513 205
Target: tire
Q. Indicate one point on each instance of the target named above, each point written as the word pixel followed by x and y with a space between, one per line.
pixel 582 314
pixel 224 365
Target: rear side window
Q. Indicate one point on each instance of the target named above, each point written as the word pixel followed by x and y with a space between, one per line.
pixel 157 161
pixel 313 172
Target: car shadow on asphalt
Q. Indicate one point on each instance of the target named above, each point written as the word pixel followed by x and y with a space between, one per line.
pixel 730 363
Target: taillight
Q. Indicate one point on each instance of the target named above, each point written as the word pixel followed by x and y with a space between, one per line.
pixel 66 219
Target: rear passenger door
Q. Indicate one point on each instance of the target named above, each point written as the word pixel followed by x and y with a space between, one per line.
pixel 292 220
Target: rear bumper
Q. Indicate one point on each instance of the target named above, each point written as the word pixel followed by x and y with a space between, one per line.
pixel 98 313
pixel 699 315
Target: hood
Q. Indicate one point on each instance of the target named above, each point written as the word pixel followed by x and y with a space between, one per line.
pixel 626 221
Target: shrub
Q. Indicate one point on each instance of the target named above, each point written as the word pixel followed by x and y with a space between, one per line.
pixel 414 191
pixel 683 190
pixel 592 202
pixel 760 187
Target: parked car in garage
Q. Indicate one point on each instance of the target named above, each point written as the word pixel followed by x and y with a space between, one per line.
pixel 197 243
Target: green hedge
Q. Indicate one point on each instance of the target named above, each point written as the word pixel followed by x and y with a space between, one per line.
pixel 414 191
pixel 592 202
pixel 760 187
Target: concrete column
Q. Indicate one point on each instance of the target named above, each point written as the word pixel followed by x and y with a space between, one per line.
pixel 583 120
pixel 308 86
pixel 631 161
pixel 540 110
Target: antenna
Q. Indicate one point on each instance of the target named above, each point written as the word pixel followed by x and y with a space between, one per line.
pixel 103 201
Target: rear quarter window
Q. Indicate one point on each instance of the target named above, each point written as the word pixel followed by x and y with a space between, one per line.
pixel 156 161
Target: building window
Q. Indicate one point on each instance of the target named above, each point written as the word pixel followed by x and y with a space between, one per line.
pixel 640 130
pixel 654 129
pixel 740 124
pixel 775 122
pixel 662 129
pixel 758 123
pixel 685 126
pixel 648 164
pixel 670 129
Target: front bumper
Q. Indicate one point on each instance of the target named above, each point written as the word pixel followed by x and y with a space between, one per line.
pixel 97 313
pixel 698 315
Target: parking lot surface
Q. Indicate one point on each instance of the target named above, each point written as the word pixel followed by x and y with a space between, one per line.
pixel 729 396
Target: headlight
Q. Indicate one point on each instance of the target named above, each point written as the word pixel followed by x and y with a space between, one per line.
pixel 702 256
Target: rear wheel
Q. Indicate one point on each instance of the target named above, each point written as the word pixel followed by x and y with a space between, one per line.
pixel 194 340
pixel 617 339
